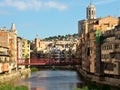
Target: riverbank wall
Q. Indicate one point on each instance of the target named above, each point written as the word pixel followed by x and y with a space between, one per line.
pixel 99 79
pixel 52 67
pixel 15 75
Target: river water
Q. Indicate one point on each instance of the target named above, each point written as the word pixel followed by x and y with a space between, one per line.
pixel 53 80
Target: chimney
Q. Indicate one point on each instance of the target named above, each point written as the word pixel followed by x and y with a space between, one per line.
pixel 0 29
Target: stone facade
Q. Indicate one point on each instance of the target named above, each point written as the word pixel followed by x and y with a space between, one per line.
pixel 13 46
pixel 91 12
pixel 88 39
pixel 44 46
pixel 4 38
pixel 8 43
pixel 4 59
pixel 41 45
pixel 110 55
pixel 88 46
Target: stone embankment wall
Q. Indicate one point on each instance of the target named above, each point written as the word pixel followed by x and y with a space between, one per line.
pixel 101 80
pixel 15 75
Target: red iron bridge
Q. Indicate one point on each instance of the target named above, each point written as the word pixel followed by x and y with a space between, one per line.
pixel 47 61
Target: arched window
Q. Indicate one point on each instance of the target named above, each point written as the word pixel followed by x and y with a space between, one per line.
pixel 92 12
pixel 89 12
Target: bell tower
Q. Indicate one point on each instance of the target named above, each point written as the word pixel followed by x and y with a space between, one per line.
pixel 91 11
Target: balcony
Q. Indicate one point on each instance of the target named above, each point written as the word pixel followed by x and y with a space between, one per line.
pixel 109 33
pixel 4 54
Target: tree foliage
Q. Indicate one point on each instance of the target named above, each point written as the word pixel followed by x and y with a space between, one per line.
pixel 62 37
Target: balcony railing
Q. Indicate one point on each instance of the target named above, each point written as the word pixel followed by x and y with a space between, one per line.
pixel 4 54
pixel 109 33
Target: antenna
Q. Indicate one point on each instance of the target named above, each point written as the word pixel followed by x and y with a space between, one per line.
pixel 36 35
pixel 118 12
pixel 90 1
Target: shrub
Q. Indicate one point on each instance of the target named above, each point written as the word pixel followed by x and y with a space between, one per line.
pixel 11 87
pixel 34 69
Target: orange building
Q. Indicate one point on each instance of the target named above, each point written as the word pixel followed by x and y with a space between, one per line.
pixel 4 51
pixel 8 46
pixel 4 38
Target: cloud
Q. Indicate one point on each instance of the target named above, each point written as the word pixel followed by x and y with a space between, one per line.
pixel 104 2
pixel 3 12
pixel 52 4
pixel 32 4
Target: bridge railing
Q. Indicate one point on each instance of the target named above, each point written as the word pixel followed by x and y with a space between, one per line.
pixel 25 61
pixel 45 61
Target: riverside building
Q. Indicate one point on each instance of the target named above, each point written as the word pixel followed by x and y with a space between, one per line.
pixel 90 62
pixel 110 51
pixel 8 51
pixel 23 51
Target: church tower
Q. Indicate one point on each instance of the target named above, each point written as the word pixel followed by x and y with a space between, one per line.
pixel 91 11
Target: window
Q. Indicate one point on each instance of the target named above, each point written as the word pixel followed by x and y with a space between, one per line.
pixel 102 48
pixel 117 56
pixel 107 56
pixel 118 37
pixel 89 12
pixel 110 46
pixel 92 12
pixel 102 56
pixel 116 46
pixel 112 56
pixel 109 66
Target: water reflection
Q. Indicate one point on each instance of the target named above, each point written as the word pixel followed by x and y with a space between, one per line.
pixel 53 80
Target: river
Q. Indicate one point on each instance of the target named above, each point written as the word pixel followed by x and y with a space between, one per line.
pixel 53 80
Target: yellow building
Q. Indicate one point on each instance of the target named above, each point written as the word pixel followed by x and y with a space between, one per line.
pixel 27 49
pixel 23 51
pixel 41 45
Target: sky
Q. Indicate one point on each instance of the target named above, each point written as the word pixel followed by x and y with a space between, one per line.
pixel 44 18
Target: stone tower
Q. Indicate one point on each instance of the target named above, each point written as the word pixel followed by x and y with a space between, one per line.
pixel 91 11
